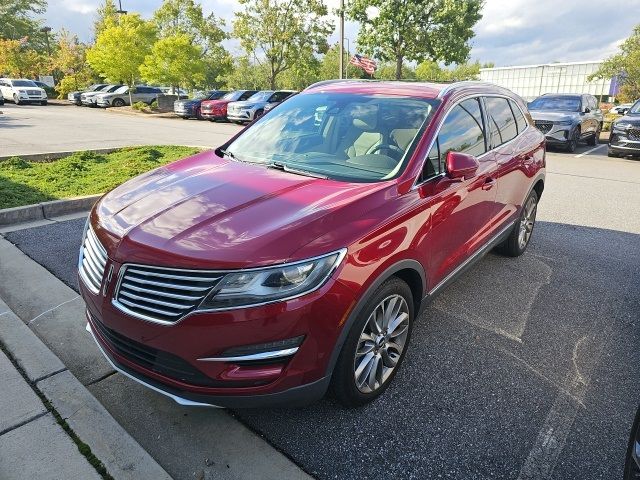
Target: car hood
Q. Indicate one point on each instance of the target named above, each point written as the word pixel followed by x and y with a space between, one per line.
pixel 553 115
pixel 209 212
pixel 92 94
pixel 633 119
pixel 214 103
pixel 186 103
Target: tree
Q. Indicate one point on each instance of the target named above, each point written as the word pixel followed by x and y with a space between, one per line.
pixel 121 49
pixel 175 61
pixel 70 60
pixel 17 59
pixel 416 30
pixel 388 71
pixel 106 15
pixel 432 72
pixel 16 19
pixel 185 17
pixel 247 74
pixel 626 66
pixel 278 33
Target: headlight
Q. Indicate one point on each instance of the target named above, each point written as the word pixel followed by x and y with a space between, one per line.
pixel 264 285
pixel 563 122
pixel 621 126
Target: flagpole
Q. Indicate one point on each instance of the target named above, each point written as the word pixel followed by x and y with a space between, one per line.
pixel 341 39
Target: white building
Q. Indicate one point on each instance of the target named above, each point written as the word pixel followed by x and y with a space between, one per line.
pixel 531 81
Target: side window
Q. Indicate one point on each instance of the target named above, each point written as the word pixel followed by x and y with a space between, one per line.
pixel 246 95
pixel 521 122
pixel 142 90
pixel 503 124
pixel 462 131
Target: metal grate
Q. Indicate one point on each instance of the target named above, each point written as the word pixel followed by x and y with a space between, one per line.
pixel 543 126
pixel 634 135
pixel 93 259
pixel 162 295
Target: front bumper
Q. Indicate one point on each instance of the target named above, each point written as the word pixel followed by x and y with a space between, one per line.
pixel 103 103
pixel 241 116
pixel 213 115
pixel 559 134
pixel 625 142
pixel 291 381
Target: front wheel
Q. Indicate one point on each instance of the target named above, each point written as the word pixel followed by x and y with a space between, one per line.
pixel 118 102
pixel 595 139
pixel 572 142
pixel 518 239
pixel 16 99
pixel 375 346
pixel 43 103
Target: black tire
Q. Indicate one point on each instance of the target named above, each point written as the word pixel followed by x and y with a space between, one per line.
pixel 199 114
pixel 16 99
pixel 631 467
pixel 611 153
pixel 43 103
pixel 258 114
pixel 343 382
pixel 572 143
pixel 513 246
pixel 595 138
pixel 118 102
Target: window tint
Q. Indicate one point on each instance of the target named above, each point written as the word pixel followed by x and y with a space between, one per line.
pixel 247 94
pixel 503 124
pixel 279 96
pixel 462 131
pixel 520 120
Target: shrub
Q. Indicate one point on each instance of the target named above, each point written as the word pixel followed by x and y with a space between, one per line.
pixel 140 106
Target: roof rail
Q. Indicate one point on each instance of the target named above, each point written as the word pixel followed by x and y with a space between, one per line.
pixel 453 85
pixel 337 80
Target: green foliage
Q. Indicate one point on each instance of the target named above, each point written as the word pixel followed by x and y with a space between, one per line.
pixel 185 17
pixel 281 34
pixel 176 61
pixel 140 106
pixel 627 64
pixel 69 59
pixel 246 74
pixel 20 60
pixel 416 30
pixel 84 173
pixel 388 71
pixel 121 48
pixel 17 21
pixel 106 16
pixel 432 72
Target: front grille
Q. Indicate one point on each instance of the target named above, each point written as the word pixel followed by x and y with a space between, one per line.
pixel 33 93
pixel 93 259
pixel 634 135
pixel 163 295
pixel 543 126
pixel 152 359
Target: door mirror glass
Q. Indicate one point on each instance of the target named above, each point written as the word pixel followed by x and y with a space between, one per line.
pixel 461 165
pixel 587 109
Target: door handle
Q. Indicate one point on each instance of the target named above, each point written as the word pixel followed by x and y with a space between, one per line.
pixel 527 159
pixel 489 183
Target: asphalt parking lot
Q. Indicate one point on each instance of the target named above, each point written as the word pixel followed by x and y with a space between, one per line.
pixel 29 129
pixel 524 368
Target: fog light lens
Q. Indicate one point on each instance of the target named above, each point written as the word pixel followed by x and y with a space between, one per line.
pixel 277 345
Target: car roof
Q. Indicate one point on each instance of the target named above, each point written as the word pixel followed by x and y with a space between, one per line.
pixel 405 88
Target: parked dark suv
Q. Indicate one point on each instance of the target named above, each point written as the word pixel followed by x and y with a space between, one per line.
pixel 299 253
pixel 625 133
pixel 566 119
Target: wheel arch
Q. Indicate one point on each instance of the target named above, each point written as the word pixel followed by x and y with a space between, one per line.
pixel 410 271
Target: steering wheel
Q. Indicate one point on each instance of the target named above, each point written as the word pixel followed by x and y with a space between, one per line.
pixel 387 146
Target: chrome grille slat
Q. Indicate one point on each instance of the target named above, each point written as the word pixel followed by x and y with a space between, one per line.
pixel 93 260
pixel 160 294
pixel 177 296
pixel 153 300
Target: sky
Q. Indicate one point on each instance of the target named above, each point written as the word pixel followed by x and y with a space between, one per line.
pixel 511 32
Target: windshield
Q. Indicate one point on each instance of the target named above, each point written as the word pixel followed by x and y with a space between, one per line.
pixel 342 136
pixel 231 96
pixel 260 96
pixel 23 83
pixel 122 89
pixel 566 104
pixel 635 109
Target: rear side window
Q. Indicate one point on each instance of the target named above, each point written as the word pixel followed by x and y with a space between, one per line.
pixel 279 96
pixel 501 120
pixel 246 95
pixel 517 113
pixel 462 131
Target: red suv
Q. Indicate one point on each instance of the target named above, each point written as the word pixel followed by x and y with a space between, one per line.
pixel 298 255
pixel 217 109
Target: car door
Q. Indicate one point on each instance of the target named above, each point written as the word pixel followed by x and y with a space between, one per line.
pixel 460 210
pixel 515 154
pixel 5 89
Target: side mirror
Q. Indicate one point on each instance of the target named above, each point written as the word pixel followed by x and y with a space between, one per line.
pixel 461 165
pixel 587 110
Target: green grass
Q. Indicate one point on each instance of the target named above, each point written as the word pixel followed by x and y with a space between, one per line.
pixel 83 173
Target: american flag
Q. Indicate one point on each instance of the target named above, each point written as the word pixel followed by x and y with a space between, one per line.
pixel 364 63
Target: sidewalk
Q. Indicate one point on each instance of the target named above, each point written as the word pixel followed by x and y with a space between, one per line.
pixel 51 427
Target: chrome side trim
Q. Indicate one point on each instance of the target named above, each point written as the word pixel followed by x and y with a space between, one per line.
pixel 176 398
pixel 254 356
pixel 481 251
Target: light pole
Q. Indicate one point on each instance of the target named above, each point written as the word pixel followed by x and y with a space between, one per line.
pixel 120 10
pixel 346 67
pixel 46 31
pixel 341 39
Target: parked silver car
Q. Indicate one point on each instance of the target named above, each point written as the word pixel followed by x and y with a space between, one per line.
pixel 120 97
pixel 253 107
pixel 74 97
pixel 88 99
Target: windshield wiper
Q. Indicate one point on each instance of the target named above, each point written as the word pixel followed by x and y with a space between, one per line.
pixel 285 168
pixel 231 155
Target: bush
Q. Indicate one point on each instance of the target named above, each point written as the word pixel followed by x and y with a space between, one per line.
pixel 140 106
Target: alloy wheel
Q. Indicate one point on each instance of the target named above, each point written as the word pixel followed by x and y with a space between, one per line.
pixel 381 343
pixel 527 222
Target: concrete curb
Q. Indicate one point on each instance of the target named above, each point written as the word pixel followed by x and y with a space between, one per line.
pixel 48 156
pixel 45 210
pixel 126 111
pixel 121 455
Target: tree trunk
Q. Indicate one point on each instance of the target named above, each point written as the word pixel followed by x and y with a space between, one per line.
pixel 399 61
pixel 130 97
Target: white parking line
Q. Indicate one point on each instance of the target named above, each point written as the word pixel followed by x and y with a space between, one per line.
pixel 590 151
